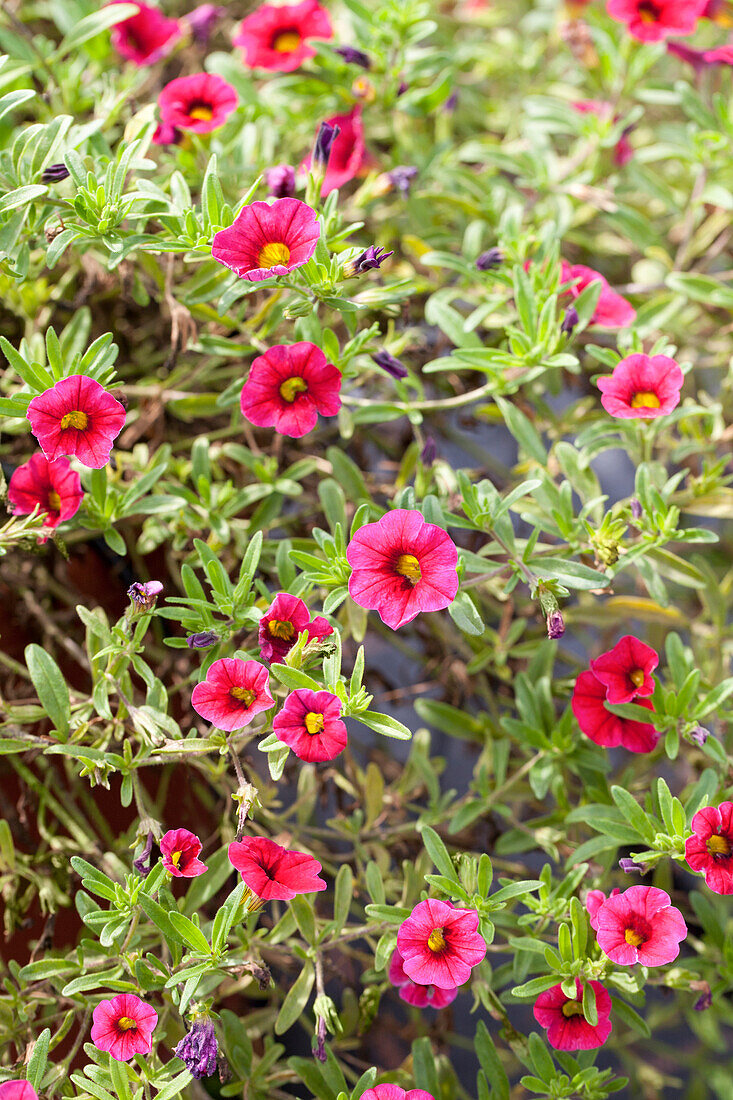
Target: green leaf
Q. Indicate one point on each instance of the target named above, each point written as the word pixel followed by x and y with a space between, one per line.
pixel 296 999
pixel 490 1063
pixel 49 682
pixel 439 854
pixel 464 614
pixel 190 933
pixel 383 723
pixel 37 1065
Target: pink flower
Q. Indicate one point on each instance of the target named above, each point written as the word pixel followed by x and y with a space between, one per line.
pixel 275 36
pixel 440 944
pixel 285 619
pixel 710 848
pixel 642 386
pixel 640 925
pixel 394 1092
pixel 604 728
pixel 626 670
pixel 233 692
pixel 567 1027
pixel 268 239
pixel 146 37
pixel 274 873
pixel 179 849
pixel 76 417
pixel 200 103
pixel 421 996
pixel 653 20
pixel 612 311
pixel 289 386
pixel 594 900
pixel 53 487
pixel 124 1026
pixel 723 55
pixel 401 566
pixel 349 157
pixel 310 723
pixel 17 1090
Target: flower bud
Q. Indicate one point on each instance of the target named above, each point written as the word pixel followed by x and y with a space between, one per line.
pixel 372 257
pixel 429 452
pixel 631 867
pixel 55 173
pixel 555 625
pixel 144 595
pixel 389 363
pixel 202 640
pixel 198 1050
pixel 493 258
pixel 569 321
pixel 352 56
pixel 699 734
pixel 280 181
pixel 402 177
pixel 327 134
pixel 201 21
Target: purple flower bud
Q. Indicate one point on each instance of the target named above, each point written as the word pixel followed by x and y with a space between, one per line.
pixel 202 19
pixel 327 134
pixel 352 56
pixel 704 1001
pixel 569 321
pixel 144 862
pixel 370 258
pixel 493 258
pixel 451 103
pixel 402 88
pixel 388 362
pixel 280 181
pixel 699 734
pixel 402 177
pixel 429 452
pixel 630 867
pixel 143 595
pixel 203 640
pixel 55 173
pixel 636 509
pixel 555 625
pixel 198 1049
pixel 320 1049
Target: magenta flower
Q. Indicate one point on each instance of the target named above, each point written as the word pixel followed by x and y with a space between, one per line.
pixel 440 944
pixel 653 20
pixel 233 692
pixel 124 1026
pixel 285 619
pixel 640 925
pixel 605 728
pixel 268 239
pixel 626 670
pixel 17 1090
pixel 76 417
pixel 200 103
pixel 420 996
pixel 275 36
pixel 401 566
pixel 612 311
pixel 394 1092
pixel 273 873
pixel 642 387
pixel 146 37
pixel 179 849
pixel 593 902
pixel 310 723
pixel 567 1027
pixel 723 55
pixel 710 848
pixel 52 487
pixel 289 386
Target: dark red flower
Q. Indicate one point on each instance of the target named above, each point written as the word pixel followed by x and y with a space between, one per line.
pixel 180 849
pixel 289 386
pixel 53 487
pixel 421 996
pixel 642 387
pixel 348 156
pixel 567 1027
pixel 604 728
pixel 76 417
pixel 275 36
pixel 268 239
pixel 652 20
pixel 286 618
pixel 626 670
pixel 146 37
pixel 710 848
pixel 200 103
pixel 310 723
pixel 233 692
pixel 274 873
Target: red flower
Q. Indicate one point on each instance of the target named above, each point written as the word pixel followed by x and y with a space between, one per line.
pixel 124 1026
pixel 275 35
pixel 349 157
pixel 440 944
pixel 310 723
pixel 593 902
pixel 233 692
pixel 289 386
pixel 76 417
pixel 710 849
pixel 394 1092
pixel 51 486
pixel 402 566
pixel 146 37
pixel 285 619
pixel 604 728
pixel 653 20
pixel 201 102
pixel 17 1090
pixel 273 873
pixel 421 996
pixel 626 670
pixel 567 1027
pixel 612 311
pixel 640 925
pixel 723 55
pixel 642 386
pixel 179 849
pixel 268 239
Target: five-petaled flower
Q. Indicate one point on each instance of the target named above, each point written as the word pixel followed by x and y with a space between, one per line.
pixel 17 1090
pixel 145 37
pixel 274 873
pixel 420 996
pixel 200 103
pixel 612 311
pixel 394 1092
pixel 401 566
pixel 268 239
pixel 653 20
pixel 642 387
pixel 710 848
pixel 124 1026
pixel 348 157
pixel 285 619
pixel 233 692
pixel 289 386
pixel 440 944
pixel 640 925
pixel 603 727
pixel 76 417
pixel 180 849
pixel 275 36
pixel 626 670
pixel 310 723
pixel 567 1027
pixel 52 487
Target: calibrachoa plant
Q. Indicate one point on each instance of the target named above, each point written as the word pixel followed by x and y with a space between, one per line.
pixel 367 423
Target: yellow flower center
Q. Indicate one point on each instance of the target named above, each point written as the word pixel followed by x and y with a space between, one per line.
pixel 572 1008
pixel 719 846
pixel 286 42
pixel 176 858
pixel 436 940
pixel 408 566
pixel 634 938
pixel 243 695
pixel 274 254
pixel 284 630
pixel 645 400
pixel 75 419
pixel 54 501
pixel 637 677
pixel 291 387
pixel 126 1023
pixel 648 12
pixel 202 111
pixel 314 722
